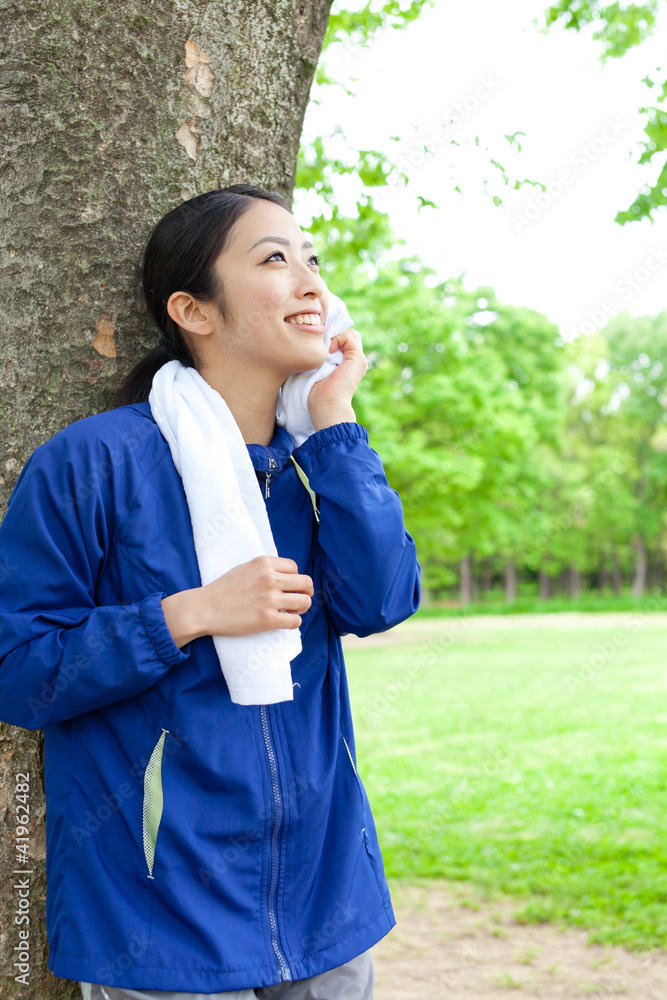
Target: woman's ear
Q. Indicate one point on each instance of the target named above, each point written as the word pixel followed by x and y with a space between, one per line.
pixel 189 314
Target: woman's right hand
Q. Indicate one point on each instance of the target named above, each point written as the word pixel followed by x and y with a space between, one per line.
pixel 266 593
pixel 250 597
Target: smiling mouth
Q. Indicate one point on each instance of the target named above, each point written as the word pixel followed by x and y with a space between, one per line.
pixel 308 327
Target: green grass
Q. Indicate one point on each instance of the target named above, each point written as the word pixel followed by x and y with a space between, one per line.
pixel 528 758
pixel 529 603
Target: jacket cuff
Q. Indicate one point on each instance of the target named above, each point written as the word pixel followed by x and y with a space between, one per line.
pixel 155 627
pixel 347 430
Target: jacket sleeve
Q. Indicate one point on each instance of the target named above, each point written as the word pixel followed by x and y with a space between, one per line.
pixel 370 573
pixel 60 653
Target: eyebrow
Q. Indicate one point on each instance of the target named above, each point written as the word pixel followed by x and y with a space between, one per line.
pixel 280 239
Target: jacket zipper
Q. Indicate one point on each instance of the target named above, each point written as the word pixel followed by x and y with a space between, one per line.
pixel 272 465
pixel 277 822
pixel 277 802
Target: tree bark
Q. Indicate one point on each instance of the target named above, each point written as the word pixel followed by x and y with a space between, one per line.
pixel 616 576
pixel 546 586
pixel 639 582
pixel 510 580
pixel 602 575
pixel 112 114
pixel 575 583
pixel 465 580
pixel 426 596
pixel 485 578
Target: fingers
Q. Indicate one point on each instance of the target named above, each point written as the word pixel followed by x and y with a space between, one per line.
pixel 351 337
pixel 296 581
pixel 350 343
pixel 282 564
pixel 294 602
pixel 286 620
pixel 286 572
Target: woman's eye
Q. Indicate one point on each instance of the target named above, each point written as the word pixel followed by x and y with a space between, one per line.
pixel 279 253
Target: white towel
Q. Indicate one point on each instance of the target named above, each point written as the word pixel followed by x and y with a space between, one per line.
pixel 229 520
pixel 292 411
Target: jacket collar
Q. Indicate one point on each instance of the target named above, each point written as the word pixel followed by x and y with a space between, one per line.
pixel 274 456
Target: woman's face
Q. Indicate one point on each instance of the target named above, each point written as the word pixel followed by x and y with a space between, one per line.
pixel 270 277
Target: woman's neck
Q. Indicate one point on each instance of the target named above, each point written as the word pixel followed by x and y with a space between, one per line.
pixel 251 397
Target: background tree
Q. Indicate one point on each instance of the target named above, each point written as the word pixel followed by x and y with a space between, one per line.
pixel 619 28
pixel 619 431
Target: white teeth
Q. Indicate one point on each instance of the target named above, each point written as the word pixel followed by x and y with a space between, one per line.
pixel 308 319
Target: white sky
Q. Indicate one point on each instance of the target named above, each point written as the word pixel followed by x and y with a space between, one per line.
pixel 569 261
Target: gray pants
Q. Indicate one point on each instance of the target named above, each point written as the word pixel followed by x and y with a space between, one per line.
pixel 352 981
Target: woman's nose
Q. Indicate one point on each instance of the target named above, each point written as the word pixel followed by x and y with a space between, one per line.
pixel 313 284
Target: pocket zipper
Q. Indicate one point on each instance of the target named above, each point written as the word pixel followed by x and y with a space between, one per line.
pixel 350 756
pixel 153 802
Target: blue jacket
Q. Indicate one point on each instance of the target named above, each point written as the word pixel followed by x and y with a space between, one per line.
pixel 194 844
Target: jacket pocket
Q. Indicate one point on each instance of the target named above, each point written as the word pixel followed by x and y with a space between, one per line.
pixel 153 800
pixel 378 867
pixel 359 788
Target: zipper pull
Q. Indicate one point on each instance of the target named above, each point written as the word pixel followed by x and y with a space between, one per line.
pixel 267 488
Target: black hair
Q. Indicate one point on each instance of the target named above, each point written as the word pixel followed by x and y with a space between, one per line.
pixel 180 256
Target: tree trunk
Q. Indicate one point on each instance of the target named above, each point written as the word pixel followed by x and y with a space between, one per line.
pixel 575 583
pixel 616 576
pixel 112 114
pixel 485 578
pixel 603 575
pixel 465 580
pixel 510 581
pixel 546 586
pixel 639 582
pixel 426 596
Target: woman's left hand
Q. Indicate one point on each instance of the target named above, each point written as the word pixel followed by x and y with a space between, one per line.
pixel 330 399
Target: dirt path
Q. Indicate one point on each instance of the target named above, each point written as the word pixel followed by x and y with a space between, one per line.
pixel 440 948
pixel 430 629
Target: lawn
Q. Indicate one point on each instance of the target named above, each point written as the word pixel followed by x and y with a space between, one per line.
pixel 526 755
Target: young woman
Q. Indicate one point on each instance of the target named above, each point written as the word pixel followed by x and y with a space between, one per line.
pixel 196 846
